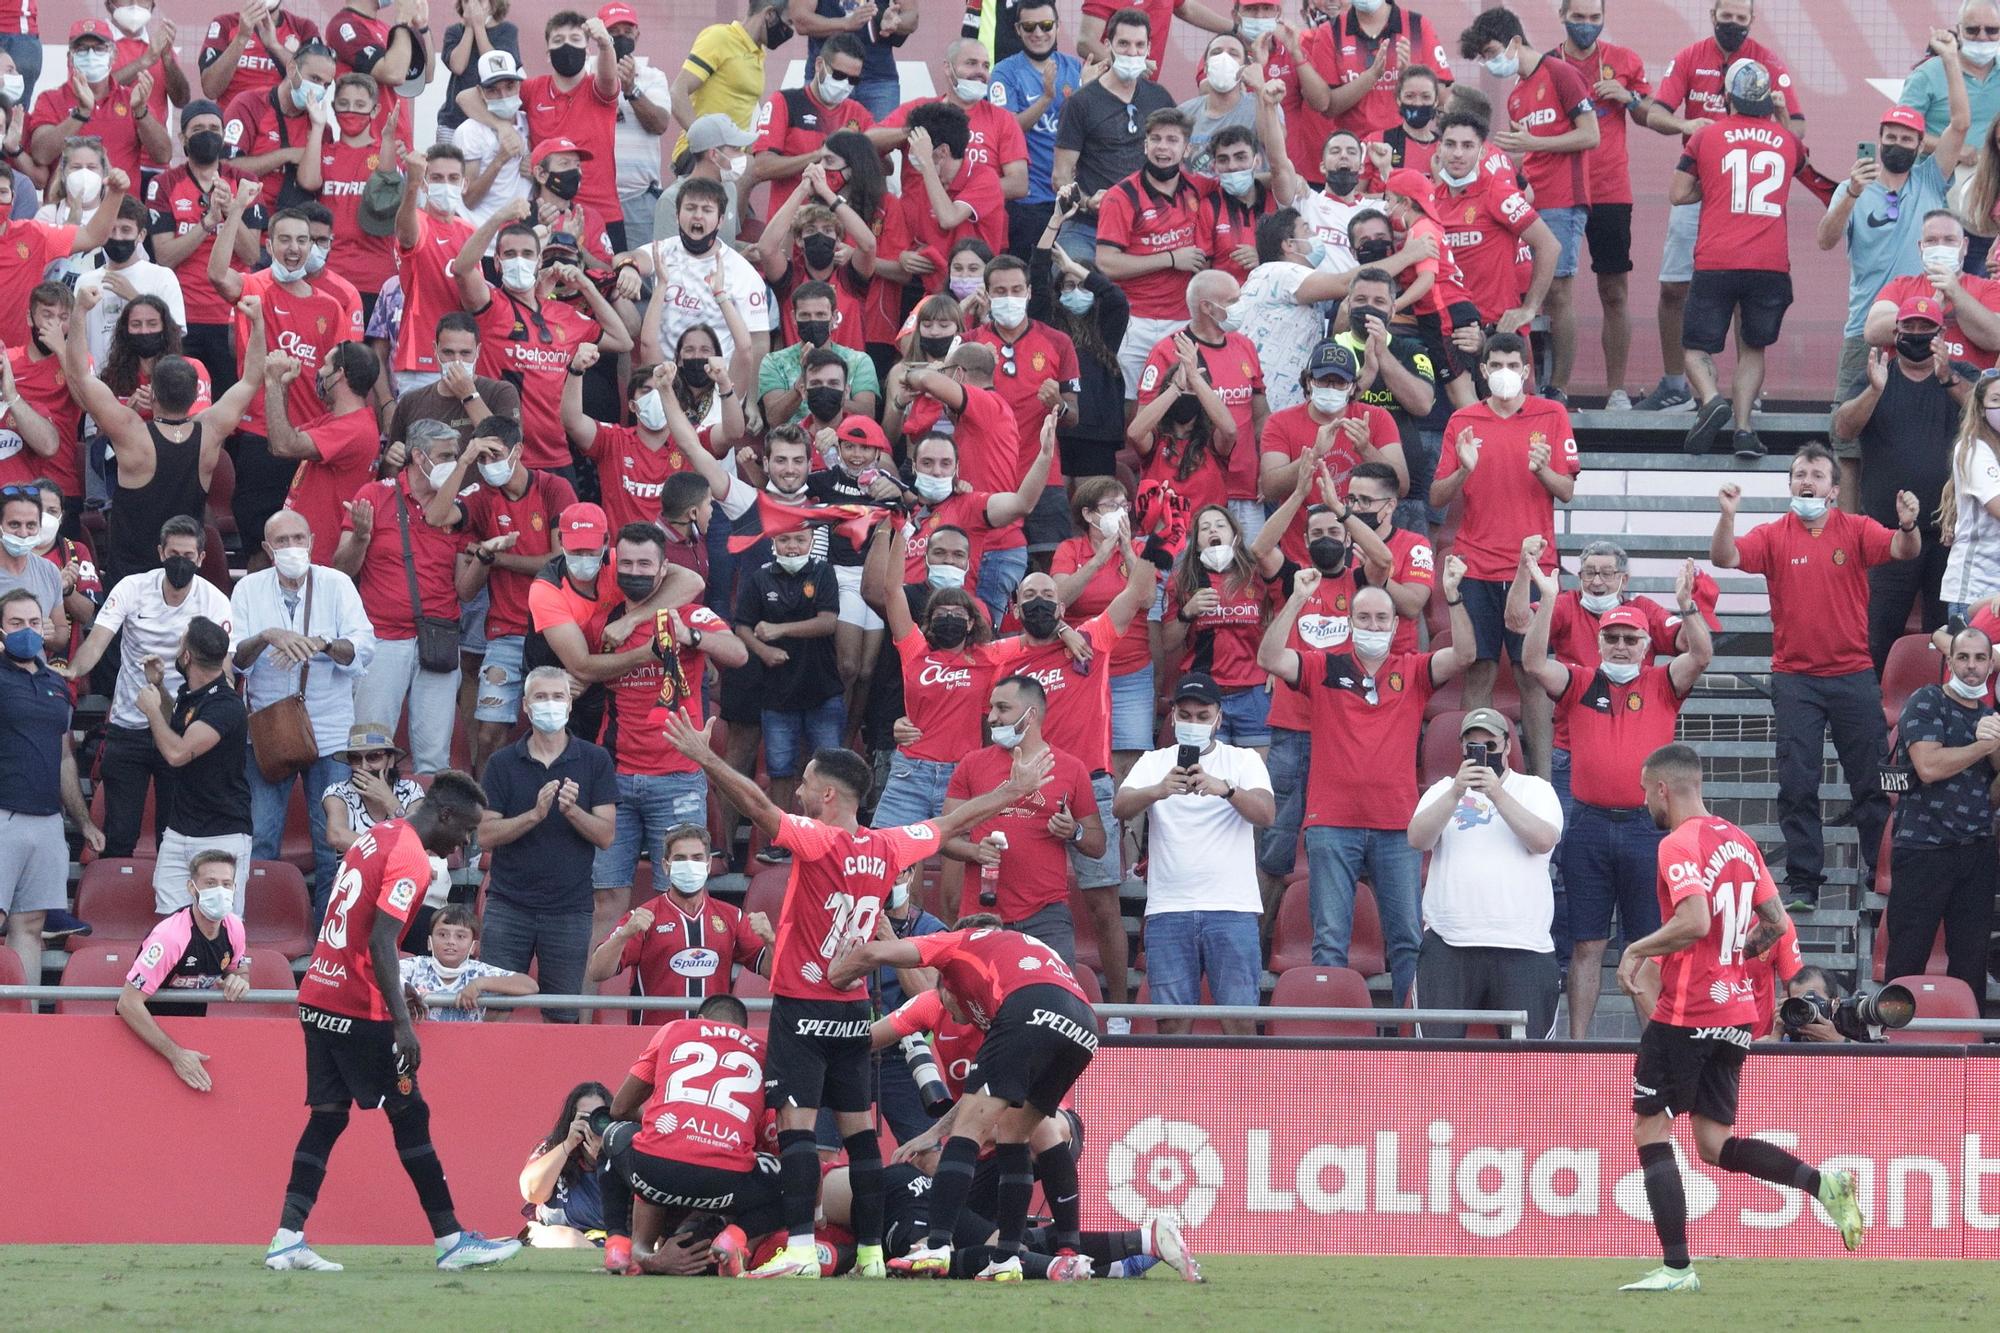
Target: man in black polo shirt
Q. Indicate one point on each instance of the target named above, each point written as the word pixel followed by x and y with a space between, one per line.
pixel 1101 138
pixel 1397 375
pixel 40 781
pixel 551 806
pixel 201 739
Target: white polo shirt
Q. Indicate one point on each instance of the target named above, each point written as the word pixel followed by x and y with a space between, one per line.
pixel 155 629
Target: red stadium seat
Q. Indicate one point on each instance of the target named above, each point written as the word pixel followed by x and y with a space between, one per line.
pixel 215 560
pixel 277 910
pixel 295 845
pixel 1443 751
pixel 1089 957
pixel 766 893
pixel 10 975
pixel 222 494
pixel 98 964
pixel 269 970
pixel 1320 988
pixel 1934 966
pixel 618 983
pixel 1203 1027
pixel 116 897
pixel 1913 663
pixel 1291 937
pixel 749 985
pixel 1086 981
pixel 1939 997
pixel 1451 698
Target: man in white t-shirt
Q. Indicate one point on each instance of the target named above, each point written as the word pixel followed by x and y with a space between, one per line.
pixel 686 264
pixel 1488 901
pixel 1206 803
pixel 127 274
pixel 1279 310
pixel 485 159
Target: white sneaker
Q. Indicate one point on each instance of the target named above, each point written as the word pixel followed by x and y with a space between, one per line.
pixel 1001 1270
pixel 1618 401
pixel 1165 1240
pixel 923 1261
pixel 289 1253
pixel 472 1250
pixel 1117 1027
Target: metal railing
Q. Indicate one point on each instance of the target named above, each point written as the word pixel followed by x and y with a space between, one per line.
pixel 1513 1021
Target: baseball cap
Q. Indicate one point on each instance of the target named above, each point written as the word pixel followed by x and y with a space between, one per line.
pixel 858 429
pixel 1747 82
pixel 616 13
pixel 381 197
pixel 1921 307
pixel 1906 116
pixel 547 148
pixel 1413 185
pixel 1198 687
pixel 1330 358
pixel 1628 616
pixel 1487 719
pixel 584 527
pixel 716 130
pixel 496 66
pixel 97 28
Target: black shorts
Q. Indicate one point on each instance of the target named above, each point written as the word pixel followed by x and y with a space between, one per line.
pixel 675 1184
pixel 1088 458
pixel 742 695
pixel 1429 330
pixel 1047 524
pixel 819 1054
pixel 1464 315
pixel 1716 295
pixel 1608 232
pixel 984 1195
pixel 1486 606
pixel 1694 1070
pixel 351 1060
pixel 1040 1043
pixel 906 1213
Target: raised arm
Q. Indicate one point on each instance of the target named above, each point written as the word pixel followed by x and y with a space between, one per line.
pixel 1699 650
pixel 1544 670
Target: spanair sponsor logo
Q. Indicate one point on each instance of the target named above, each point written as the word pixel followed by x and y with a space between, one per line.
pixel 695 963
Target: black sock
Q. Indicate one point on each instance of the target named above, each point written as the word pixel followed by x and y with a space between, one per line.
pixel 309 1166
pixel 1034 1265
pixel 616 1185
pixel 864 1176
pixel 949 1187
pixel 1668 1201
pixel 411 1125
pixel 1017 1186
pixel 1108 1247
pixel 1766 1161
pixel 1056 1169
pixel 798 1177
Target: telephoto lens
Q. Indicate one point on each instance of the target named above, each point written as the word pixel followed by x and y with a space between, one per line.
pixel 1892 1006
pixel 923 1067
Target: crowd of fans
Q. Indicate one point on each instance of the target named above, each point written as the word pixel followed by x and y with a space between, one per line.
pixel 1199 434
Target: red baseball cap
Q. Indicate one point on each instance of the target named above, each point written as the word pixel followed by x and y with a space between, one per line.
pixel 97 28
pixel 584 527
pixel 1414 186
pixel 618 12
pixel 548 147
pixel 1628 616
pixel 857 429
pixel 1921 307
pixel 1906 116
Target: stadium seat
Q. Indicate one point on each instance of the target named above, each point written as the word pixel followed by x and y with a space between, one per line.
pixel 618 983
pixel 10 975
pixel 1203 1027
pixel 1939 997
pixel 1291 937
pixel 1934 966
pixel 269 970
pixel 1451 697
pixel 748 985
pixel 105 964
pixel 1086 981
pixel 277 910
pixel 295 844
pixel 215 560
pixel 116 897
pixel 222 495
pixel 1320 988
pixel 1089 957
pixel 1442 751
pixel 766 893
pixel 1913 662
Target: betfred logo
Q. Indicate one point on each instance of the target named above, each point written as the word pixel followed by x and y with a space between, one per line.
pixel 1546 115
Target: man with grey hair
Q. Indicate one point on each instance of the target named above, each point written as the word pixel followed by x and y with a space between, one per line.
pixel 1925 89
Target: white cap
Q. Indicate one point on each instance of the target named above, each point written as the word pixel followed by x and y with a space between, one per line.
pixel 495 66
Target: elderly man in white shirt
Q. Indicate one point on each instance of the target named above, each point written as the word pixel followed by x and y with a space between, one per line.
pixel 153 609
pixel 1204 802
pixel 300 624
pixel 1488 901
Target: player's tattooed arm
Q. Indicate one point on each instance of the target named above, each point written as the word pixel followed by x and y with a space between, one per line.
pixel 1771 923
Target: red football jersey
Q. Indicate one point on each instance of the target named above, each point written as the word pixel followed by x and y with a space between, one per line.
pixel 1573 639
pixel 385 871
pixel 31 247
pixel 1306 130
pixel 177 206
pixel 348 445
pixel 996 138
pixel 302 327
pixel 1293 430
pixel 364 260
pixel 708 1094
pixel 1358 719
pixel 1773 968
pixel 1708 983
pixel 1547 103
pixel 1222 641
pixel 1354 53
pixel 955 1044
pixel 1609 165
pixel 636 712
pixel 1613 728
pixel 532 346
pixel 1745 167
pixel 384 587
pixel 1042 353
pixel 254 71
pixel 632 473
pixel 838 884
pixel 585 117
pixel 1692 86
pixel 1483 224
pixel 792 122
pixel 42 385
pixel 981 968
pixel 689 953
pixel 1951 336
pixel 490 512
pixel 1503 501
pixel 1131 650
pixel 1138 220
pixel 967 512
pixel 1034 870
pixel 1238 376
pixel 429 292
pixel 1819 589
pixel 1079 695
pixel 944 696
pixel 1322 626
pixel 252 125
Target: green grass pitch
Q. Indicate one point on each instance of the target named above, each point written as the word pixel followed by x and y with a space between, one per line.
pixel 105 1287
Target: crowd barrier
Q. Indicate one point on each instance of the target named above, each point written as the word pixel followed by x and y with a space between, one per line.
pixel 1288 1147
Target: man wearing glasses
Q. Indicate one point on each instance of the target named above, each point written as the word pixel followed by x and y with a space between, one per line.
pixel 1925 90
pixel 1617 715
pixel 1033 85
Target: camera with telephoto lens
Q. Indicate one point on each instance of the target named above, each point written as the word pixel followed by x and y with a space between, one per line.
pixel 922 1064
pixel 1856 1017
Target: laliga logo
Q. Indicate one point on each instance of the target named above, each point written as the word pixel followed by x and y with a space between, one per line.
pixel 1702 1195
pixel 1171 1149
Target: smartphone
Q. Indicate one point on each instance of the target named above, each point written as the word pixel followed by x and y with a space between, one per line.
pixel 1188 756
pixel 1475 753
pixel 1865 150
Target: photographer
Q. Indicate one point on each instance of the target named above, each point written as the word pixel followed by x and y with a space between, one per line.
pixel 1202 901
pixel 1823 994
pixel 1488 901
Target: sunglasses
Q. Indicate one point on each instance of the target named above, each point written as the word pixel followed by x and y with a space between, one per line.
pixel 21 493
pixel 1049 25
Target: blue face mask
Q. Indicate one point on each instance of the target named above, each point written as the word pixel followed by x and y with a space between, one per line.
pixel 1078 300
pixel 1583 36
pixel 1809 508
pixel 1238 183
pixel 1315 250
pixel 24 644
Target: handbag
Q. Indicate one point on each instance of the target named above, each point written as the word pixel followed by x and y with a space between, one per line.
pixel 281 733
pixel 437 638
pixel 1896 777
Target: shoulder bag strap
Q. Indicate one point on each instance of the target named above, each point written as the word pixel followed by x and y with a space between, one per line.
pixel 409 556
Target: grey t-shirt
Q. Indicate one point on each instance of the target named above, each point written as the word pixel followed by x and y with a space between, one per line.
pixel 38 576
pixel 1200 156
pixel 1108 134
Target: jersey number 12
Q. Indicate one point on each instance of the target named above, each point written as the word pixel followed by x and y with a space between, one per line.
pixel 1753 179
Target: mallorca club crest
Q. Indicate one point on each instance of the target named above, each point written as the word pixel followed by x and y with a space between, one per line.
pixel 1396 681
pixel 1839 556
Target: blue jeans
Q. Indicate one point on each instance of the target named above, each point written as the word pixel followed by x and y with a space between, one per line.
pixel 1000 572
pixel 1335 858
pixel 268 801
pixel 1182 947
pixel 1289 758
pixel 26 48
pixel 791 739
pixel 1106 871
pixel 648 805
pixel 1567 224
pixel 1611 860
pixel 1421 455
pixel 880 96
pixel 1134 722
pixel 558 943
pixel 1246 717
pixel 1078 238
pixel 914 791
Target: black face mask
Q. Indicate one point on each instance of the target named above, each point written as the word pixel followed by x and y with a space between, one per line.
pixel 697 245
pixel 1357 319
pixel 694 374
pixel 147 345
pixel 565 184
pixel 120 251
pixel 818 249
pixel 1329 554
pixel 1730 36
pixel 567 60
pixel 1185 409
pixel 1416 117
pixel 624 46
pixel 41 344
pixel 1915 346
pixel 948 632
pixel 392 775
pixel 1342 180
pixel 181 664
pixel 1898 158
pixel 777 32
pixel 815 331
pixel 1038 617
pixel 1162 175
pixel 1375 251
pixel 823 401
pixel 179 570
pixel 637 587
pixel 934 347
pixel 204 149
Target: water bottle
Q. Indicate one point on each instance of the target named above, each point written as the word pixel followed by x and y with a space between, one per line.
pixel 922 1064
pixel 989 876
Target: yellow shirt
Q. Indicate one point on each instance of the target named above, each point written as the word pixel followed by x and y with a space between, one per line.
pixel 730 65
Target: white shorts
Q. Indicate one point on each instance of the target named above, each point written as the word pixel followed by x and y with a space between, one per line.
pixel 1677 256
pixel 170 872
pixel 854 611
pixel 1141 337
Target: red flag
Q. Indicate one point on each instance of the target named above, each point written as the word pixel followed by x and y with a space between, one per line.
pixel 769 515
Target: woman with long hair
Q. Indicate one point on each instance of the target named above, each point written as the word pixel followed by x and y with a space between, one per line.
pixel 144 333
pixel 559 1185
pixel 1091 309
pixel 1969 505
pixel 854 169
pixel 1183 435
pixel 71 198
pixel 1090 570
pixel 935 330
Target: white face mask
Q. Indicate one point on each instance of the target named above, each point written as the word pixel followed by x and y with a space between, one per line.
pixel 651 412
pixel 1224 72
pixel 971 90
pixel 505 108
pixel 833 90
pixel 1500 66
pixel 13 85
pixel 1129 68
pixel 549 715
pixel 1457 182
pixel 51 525
pixel 1218 558
pixel 1109 521
pixel 1809 508
pixel 1009 311
pixel 94 66
pixel 16 546
pixel 1008 737
pixel 215 903
pixel 944 576
pixel 899 893
pixel 1505 384
pixel 283 274
pixel 1369 6
pixel 1252 29
pixel 935 490
pixel 688 876
pixel 496 474
pixel 1941 257
pixel 1330 401
pixel 85 186
pixel 1373 642
pixel 440 475
pixel 132 18
pixel 733 170
pixel 1969 693
pixel 1198 734
pixel 583 568
pixel 445 197
pixel 792 564
pixel 1620 673
pixel 317 256
pixel 1597 603
pixel 292 562
pixel 1980 53
pixel 517 273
